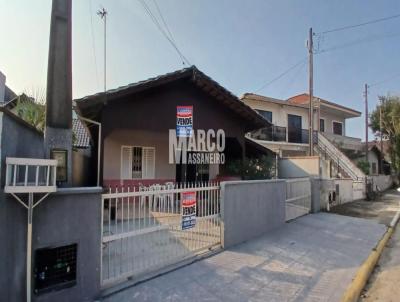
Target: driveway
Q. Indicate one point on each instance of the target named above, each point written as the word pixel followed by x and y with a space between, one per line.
pixel 312 258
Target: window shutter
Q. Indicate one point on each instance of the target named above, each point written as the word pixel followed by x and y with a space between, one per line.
pixel 148 163
pixel 126 162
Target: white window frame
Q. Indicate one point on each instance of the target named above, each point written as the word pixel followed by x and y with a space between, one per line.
pixel 339 122
pixel 153 172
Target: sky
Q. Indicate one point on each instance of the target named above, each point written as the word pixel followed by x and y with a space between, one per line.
pixel 241 44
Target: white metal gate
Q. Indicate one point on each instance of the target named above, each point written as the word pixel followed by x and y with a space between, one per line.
pixel 298 197
pixel 142 229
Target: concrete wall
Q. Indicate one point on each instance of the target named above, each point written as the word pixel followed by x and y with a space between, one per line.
pixel 345 190
pixel 17 139
pixel 320 190
pixel 383 182
pixel 296 167
pixel 250 209
pixel 358 190
pixel 66 217
pixel 81 167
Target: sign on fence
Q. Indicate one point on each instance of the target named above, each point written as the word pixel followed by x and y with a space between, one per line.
pixel 188 210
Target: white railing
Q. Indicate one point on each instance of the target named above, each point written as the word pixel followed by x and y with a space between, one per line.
pixel 30 175
pixel 324 146
pixel 298 197
pixel 143 230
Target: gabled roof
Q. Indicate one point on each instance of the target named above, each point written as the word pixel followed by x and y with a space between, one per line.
pixel 9 94
pixel 257 97
pixel 304 98
pixel 90 106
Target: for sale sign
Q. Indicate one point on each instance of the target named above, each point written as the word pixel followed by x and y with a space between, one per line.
pixel 184 121
pixel 188 210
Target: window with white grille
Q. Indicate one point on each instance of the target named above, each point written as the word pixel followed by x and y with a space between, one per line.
pixel 137 162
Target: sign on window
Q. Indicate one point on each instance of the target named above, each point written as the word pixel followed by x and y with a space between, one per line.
pixel 188 210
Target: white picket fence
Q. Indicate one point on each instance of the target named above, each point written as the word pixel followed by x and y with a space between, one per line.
pixel 142 229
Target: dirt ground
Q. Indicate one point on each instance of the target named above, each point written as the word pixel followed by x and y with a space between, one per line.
pixel 384 283
pixel 382 210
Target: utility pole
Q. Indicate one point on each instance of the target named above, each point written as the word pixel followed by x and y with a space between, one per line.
pixel 381 142
pixel 366 121
pixel 311 92
pixel 103 15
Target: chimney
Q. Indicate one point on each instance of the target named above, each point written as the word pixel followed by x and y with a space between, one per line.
pixel 2 87
pixel 58 132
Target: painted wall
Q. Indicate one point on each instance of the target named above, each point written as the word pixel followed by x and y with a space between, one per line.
pixel 16 140
pixel 280 112
pixel 295 167
pixel 81 167
pixel 329 118
pixel 383 182
pixel 250 209
pixel 61 219
pixel 142 121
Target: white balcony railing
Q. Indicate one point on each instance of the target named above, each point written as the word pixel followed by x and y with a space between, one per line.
pixel 30 175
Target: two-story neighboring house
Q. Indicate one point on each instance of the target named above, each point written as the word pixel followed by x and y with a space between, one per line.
pixel 289 135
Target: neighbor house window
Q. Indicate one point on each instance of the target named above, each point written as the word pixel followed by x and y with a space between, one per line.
pixel 266 114
pixel 337 128
pixel 322 125
pixel 137 162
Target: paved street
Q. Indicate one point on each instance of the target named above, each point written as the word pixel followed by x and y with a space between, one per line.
pixel 310 259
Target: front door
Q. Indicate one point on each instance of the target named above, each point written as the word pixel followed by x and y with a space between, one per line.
pixel 294 128
pixel 192 172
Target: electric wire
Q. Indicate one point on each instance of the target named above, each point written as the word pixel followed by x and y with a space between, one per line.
pixel 163 32
pixel 385 80
pixel 359 41
pixel 358 25
pixel 281 75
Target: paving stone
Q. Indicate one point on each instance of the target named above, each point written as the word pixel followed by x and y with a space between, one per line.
pixel 310 259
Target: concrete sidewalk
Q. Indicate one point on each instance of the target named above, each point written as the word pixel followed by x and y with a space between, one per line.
pixel 313 258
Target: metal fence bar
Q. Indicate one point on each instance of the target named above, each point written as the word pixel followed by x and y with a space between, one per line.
pixel 142 227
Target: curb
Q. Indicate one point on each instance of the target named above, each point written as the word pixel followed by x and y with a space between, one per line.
pixel 354 290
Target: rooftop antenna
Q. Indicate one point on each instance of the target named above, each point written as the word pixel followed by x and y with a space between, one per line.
pixel 103 15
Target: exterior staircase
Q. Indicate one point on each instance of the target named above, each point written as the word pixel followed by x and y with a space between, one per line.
pixel 345 167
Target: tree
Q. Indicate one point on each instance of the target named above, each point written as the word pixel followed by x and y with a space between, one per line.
pixel 390 106
pixel 31 109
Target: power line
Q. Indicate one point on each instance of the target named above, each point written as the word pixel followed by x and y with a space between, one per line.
pixel 359 41
pixel 385 80
pixel 163 20
pixel 294 77
pixel 163 32
pixel 359 25
pixel 281 75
